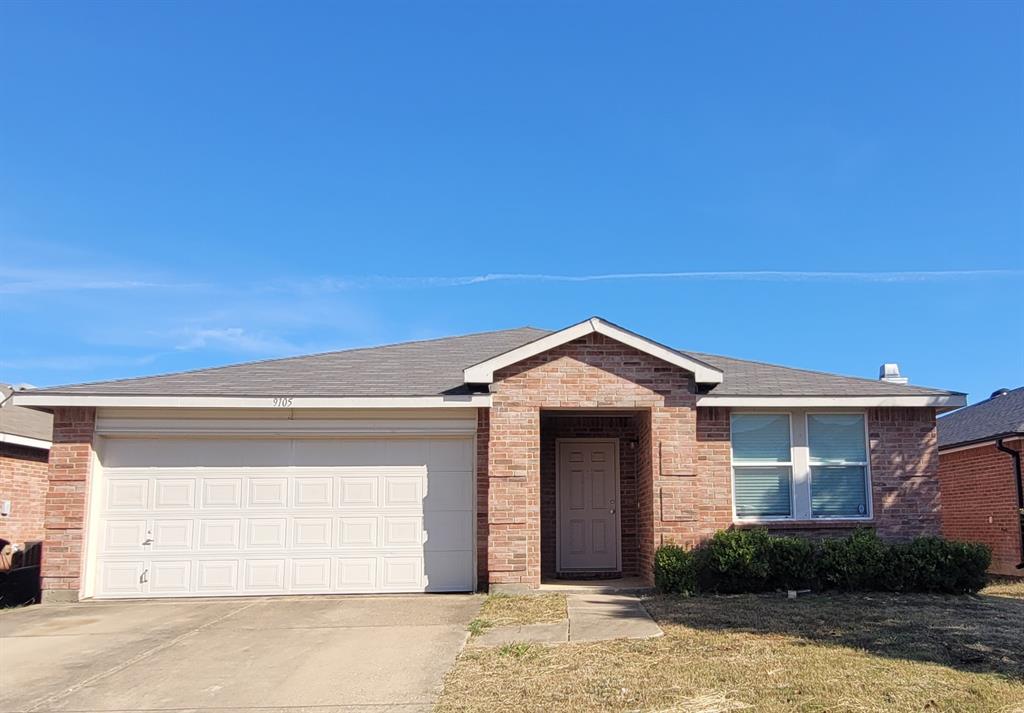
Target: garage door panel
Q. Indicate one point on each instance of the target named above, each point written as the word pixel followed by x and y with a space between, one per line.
pixel 448 531
pixel 402 531
pixel 357 492
pixel 128 494
pixel 312 532
pixel 401 574
pixel 357 574
pixel 170 577
pixel 174 494
pixel 264 576
pixel 362 532
pixel 219 534
pixel 403 491
pixel 221 493
pixel 172 535
pixel 311 575
pixel 267 493
pixel 313 492
pixel 122 536
pixel 123 578
pixel 266 533
pixel 217 576
pixel 448 571
pixel 227 517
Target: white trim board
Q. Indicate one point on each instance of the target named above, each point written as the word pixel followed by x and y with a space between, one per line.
pixel 282 403
pixel 483 373
pixel 941 402
pixel 16 440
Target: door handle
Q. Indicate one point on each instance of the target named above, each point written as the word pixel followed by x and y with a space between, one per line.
pixel 148 541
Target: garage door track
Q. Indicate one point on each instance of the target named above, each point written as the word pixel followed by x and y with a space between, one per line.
pixel 313 654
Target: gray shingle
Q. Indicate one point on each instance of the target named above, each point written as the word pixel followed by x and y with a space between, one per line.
pixel 21 421
pixel 433 367
pixel 998 416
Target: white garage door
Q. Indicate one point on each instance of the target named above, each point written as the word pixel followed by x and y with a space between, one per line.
pixel 194 517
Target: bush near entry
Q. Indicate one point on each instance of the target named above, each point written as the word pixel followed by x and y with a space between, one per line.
pixel 751 560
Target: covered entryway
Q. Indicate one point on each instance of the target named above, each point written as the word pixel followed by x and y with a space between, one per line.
pixel 178 517
pixel 589 500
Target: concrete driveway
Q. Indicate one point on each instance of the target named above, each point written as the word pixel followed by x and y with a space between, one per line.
pixel 315 654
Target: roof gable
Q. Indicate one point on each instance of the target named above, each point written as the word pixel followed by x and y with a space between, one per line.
pixel 997 416
pixel 483 372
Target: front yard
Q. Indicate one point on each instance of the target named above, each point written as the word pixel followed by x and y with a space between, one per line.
pixel 821 652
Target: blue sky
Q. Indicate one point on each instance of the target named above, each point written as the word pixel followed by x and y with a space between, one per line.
pixel 186 185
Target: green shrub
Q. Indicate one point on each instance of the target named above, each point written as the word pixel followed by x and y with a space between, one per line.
pixel 735 561
pixel 937 565
pixel 792 563
pixel 854 562
pixel 675 570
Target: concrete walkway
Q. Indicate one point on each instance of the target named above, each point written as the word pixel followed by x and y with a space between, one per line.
pixel 593 616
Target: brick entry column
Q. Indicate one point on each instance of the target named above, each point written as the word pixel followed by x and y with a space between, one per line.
pixel 67 503
pixel 513 498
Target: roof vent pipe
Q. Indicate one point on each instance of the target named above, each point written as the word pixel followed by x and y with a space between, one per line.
pixel 890 372
pixel 999 392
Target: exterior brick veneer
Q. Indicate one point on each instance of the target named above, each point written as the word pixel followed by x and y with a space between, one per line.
pixel 979 502
pixel 23 481
pixel 592 373
pixel 67 502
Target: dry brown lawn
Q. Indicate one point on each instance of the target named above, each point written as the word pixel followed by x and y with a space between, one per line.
pixel 764 653
pixel 507 610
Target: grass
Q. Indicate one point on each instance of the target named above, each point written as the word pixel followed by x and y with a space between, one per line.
pixel 764 653
pixel 509 610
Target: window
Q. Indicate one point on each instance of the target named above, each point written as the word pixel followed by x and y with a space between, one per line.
pixel 800 466
pixel 762 465
pixel 838 462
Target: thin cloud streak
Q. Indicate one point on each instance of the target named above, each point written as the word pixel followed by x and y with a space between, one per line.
pixel 354 283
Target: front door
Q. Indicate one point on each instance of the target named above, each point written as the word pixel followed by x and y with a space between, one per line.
pixel 588 505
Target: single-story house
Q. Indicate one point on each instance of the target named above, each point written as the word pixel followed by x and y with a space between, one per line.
pixel 980 450
pixel 490 460
pixel 25 436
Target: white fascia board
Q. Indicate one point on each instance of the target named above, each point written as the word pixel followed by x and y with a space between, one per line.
pixel 16 440
pixel 980 444
pixel 261 402
pixel 483 373
pixel 941 402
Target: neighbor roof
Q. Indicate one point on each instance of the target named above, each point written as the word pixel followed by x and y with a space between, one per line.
pixel 435 367
pixel 997 416
pixel 21 421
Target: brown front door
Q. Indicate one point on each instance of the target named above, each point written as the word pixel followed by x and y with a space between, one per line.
pixel 588 505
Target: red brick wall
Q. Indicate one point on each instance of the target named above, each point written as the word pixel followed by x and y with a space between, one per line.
pixel 483 438
pixel 597 373
pixel 979 502
pixel 66 501
pixel 904 472
pixel 622 428
pixel 23 481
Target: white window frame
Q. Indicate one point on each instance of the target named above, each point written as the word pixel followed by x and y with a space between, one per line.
pixel 764 464
pixel 800 468
pixel 866 464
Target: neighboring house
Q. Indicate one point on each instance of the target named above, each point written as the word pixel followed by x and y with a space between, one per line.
pixel 488 460
pixel 24 449
pixel 980 473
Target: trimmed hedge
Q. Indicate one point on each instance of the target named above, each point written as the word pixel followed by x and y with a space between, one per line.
pixel 751 560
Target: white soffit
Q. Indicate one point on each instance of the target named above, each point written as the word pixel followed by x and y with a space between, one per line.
pixel 483 373
pixel 17 440
pixel 940 402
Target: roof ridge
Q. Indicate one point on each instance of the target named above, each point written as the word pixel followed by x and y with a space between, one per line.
pixel 816 371
pixel 288 358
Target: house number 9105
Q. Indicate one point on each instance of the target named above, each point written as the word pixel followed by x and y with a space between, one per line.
pixel 282 401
